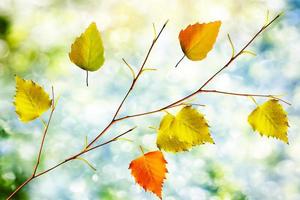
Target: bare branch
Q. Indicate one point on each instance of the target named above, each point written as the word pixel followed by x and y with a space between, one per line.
pixel 115 119
pixel 247 95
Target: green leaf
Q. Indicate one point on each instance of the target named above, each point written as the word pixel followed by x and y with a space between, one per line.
pixel 87 51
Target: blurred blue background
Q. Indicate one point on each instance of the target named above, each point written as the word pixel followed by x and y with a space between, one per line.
pixel 35 38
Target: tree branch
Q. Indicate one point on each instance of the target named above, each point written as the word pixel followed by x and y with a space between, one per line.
pixel 40 149
pixel 247 95
pixel 174 104
pixel 65 161
pixel 84 151
pixel 129 90
pixel 44 135
pixel 208 81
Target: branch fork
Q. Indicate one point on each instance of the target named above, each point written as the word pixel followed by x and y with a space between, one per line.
pixel 91 145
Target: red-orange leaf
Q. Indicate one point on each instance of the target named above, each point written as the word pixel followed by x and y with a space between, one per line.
pixel 150 171
pixel 198 39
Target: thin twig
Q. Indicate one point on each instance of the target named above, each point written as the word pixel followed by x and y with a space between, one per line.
pixel 130 68
pixel 86 162
pixel 42 143
pixel 85 151
pixel 65 161
pixel 249 52
pixel 109 141
pixel 207 82
pixel 231 45
pixel 130 89
pixel 20 187
pixel 40 151
pixel 44 135
pixel 247 95
pixel 115 119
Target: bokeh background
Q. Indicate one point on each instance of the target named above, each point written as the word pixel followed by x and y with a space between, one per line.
pixel 35 38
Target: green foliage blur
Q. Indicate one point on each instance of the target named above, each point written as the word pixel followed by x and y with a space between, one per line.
pixel 12 174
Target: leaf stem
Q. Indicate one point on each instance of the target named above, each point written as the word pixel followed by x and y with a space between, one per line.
pixel 254 101
pixel 249 52
pixel 86 162
pixel 130 68
pixel 231 45
pixel 87 78
pixel 115 119
pixel 142 150
pixel 179 61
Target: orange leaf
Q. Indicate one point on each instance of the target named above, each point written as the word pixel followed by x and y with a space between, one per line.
pixel 149 171
pixel 198 39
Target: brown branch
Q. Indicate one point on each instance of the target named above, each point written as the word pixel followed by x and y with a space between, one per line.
pixel 109 141
pixel 42 143
pixel 44 135
pixel 65 161
pixel 130 89
pixel 20 187
pixel 40 150
pixel 208 81
pixel 247 95
pixel 88 147
pixel 141 69
pixel 115 119
pixel 240 52
pixel 84 151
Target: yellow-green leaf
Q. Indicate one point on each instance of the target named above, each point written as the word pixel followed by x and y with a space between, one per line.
pixel 31 101
pixel 87 51
pixel 183 131
pixel 270 119
pixel 198 39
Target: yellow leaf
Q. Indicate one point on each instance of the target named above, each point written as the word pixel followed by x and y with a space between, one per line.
pixel 150 171
pixel 183 131
pixel 270 119
pixel 198 39
pixel 31 101
pixel 87 51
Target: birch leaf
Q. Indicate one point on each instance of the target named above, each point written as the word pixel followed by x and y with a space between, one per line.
pixel 150 171
pixel 87 51
pixel 183 131
pixel 31 101
pixel 198 39
pixel 270 119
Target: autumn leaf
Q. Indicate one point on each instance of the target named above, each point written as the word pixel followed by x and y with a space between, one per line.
pixel 183 131
pixel 270 119
pixel 150 171
pixel 198 39
pixel 87 51
pixel 31 101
